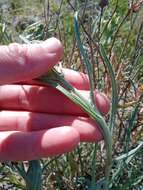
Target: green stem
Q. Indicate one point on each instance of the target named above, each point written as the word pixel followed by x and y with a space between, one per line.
pixel 55 80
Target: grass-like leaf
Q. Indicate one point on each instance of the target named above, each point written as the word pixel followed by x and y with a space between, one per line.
pixel 114 87
pixel 88 65
pixel 57 81
pixel 131 153
pixel 34 175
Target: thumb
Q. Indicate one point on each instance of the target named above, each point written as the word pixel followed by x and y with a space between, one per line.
pixel 24 62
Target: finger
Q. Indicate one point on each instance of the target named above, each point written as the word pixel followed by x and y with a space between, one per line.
pixel 23 62
pixel 77 79
pixel 16 145
pixel 45 99
pixel 28 121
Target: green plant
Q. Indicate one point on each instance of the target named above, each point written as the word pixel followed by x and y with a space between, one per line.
pixel 109 49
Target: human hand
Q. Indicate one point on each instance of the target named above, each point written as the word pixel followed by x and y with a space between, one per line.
pixel 38 121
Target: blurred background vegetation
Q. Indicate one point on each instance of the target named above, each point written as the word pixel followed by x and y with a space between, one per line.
pixel 118 25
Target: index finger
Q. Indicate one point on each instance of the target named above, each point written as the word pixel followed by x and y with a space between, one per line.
pixel 24 62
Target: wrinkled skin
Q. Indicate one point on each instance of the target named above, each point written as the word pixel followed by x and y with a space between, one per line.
pixel 38 121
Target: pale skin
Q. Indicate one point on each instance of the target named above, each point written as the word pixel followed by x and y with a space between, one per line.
pixel 38 121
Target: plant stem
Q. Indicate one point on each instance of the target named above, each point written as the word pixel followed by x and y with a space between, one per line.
pixel 55 80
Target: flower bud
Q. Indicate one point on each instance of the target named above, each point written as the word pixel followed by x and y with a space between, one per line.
pixel 103 3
